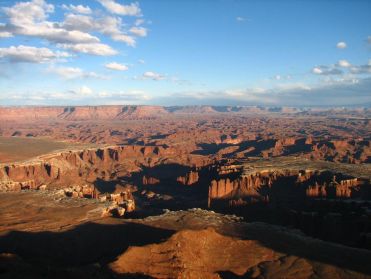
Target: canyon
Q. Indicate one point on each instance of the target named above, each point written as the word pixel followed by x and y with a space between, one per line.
pixel 229 175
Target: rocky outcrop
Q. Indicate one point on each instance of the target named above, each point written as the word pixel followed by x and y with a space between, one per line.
pixel 264 252
pixel 148 180
pixel 189 179
pixel 343 188
pixel 193 254
pixel 88 165
pixel 265 186
pixel 244 187
pixel 341 151
pixel 84 191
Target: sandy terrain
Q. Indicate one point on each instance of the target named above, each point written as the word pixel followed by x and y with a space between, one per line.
pixel 13 149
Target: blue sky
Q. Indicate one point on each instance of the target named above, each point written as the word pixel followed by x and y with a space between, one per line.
pixel 187 52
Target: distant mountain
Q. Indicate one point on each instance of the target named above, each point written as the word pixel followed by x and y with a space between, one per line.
pixel 121 112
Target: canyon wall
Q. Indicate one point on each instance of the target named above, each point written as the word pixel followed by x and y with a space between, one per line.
pixel 282 185
pixel 89 165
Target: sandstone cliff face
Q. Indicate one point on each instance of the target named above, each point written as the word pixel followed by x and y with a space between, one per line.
pixel 343 188
pixel 189 179
pixel 148 180
pixel 264 186
pixel 89 165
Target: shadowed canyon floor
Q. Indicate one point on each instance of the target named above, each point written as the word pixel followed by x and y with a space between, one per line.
pixel 130 192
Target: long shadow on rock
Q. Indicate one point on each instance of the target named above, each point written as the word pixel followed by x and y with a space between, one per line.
pixel 210 148
pixel 166 171
pixel 257 145
pixel 104 186
pixel 86 244
pixel 291 243
pixel 188 196
pixel 166 174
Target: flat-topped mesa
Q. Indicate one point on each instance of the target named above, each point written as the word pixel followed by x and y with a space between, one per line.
pixel 112 112
pixel 30 113
pixel 272 186
pixel 81 113
pixel 88 165
pixel 141 112
pixel 90 113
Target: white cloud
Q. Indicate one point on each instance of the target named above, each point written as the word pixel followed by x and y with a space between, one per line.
pixel 153 76
pixel 132 95
pixel 141 61
pixel 107 25
pixel 317 70
pixel 281 77
pixel 240 18
pixel 115 8
pixel 293 86
pixel 243 93
pixel 77 9
pixel 361 69
pixel 343 92
pixel 78 22
pixel 67 72
pixel 94 49
pixel 139 21
pixel 326 70
pixel 30 54
pixel 344 63
pixel 73 73
pixel 124 38
pixel 76 30
pixel 84 91
pixel 23 13
pixel 5 34
pixel 116 66
pixel 29 19
pixel 343 69
pixel 341 45
pixel 58 35
pixel 139 31
pixel 83 95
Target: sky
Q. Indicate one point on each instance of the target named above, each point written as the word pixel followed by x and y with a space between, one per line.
pixel 185 52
